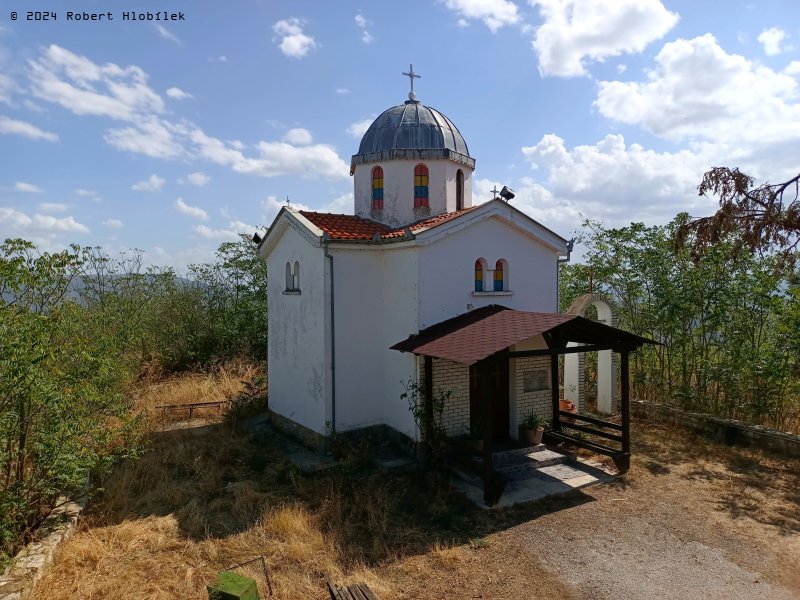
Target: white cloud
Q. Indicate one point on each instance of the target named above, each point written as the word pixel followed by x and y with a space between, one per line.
pixel 7 85
pixel 772 39
pixel 745 110
pixel 622 68
pixel 168 35
pixel 271 205
pixel 113 223
pixel 494 13
pixel 191 211
pixel 85 88
pixel 291 39
pixel 151 184
pixel 38 226
pixel 793 68
pixel 577 31
pixel 275 158
pixel 88 194
pixel 611 181
pixel 342 91
pixel 22 186
pixel 231 233
pixel 51 207
pixel 197 179
pixel 10 126
pixel 150 136
pixel 298 137
pixel 359 128
pixel 362 23
pixel 177 93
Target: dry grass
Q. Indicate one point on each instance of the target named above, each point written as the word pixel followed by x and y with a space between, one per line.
pixel 192 505
pixel 216 384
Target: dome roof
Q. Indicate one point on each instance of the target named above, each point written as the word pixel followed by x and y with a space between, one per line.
pixel 412 130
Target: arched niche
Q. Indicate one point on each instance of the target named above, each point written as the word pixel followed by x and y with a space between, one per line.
pixel 574 364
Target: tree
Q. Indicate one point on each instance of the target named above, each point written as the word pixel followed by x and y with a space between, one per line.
pixel 764 218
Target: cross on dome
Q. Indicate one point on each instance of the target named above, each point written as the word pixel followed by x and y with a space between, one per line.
pixel 411 76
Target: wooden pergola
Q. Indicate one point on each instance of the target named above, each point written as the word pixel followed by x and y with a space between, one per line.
pixel 484 336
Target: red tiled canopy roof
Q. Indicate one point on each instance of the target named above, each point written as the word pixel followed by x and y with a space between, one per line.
pixel 352 227
pixel 473 336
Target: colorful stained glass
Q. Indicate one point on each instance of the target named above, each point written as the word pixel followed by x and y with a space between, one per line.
pixel 478 276
pixel 377 188
pixel 498 276
pixel 420 186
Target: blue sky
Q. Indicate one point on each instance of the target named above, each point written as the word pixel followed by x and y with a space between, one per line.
pixel 173 136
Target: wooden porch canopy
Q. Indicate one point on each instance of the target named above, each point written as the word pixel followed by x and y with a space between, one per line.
pixel 485 335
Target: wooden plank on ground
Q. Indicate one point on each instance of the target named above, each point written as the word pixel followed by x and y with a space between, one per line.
pixel 367 592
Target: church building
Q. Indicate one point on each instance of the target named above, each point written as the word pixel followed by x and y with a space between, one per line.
pixel 415 252
pixel 422 287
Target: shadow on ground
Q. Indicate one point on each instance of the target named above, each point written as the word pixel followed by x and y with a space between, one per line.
pixel 751 483
pixel 221 482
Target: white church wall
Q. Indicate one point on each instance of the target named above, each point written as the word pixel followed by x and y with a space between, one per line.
pixel 359 343
pixel 298 377
pixel 447 272
pixel 398 190
pixel 400 285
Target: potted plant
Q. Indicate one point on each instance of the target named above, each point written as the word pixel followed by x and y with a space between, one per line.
pixel 533 428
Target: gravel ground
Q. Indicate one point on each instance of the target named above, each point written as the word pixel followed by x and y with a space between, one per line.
pixel 691 520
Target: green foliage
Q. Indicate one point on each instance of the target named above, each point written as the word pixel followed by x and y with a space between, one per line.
pixel 728 323
pixel 428 417
pixel 76 328
pixel 534 421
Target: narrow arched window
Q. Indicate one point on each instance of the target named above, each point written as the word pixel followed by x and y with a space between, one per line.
pixel 289 278
pixel 296 276
pixel 499 280
pixel 478 275
pixel 420 186
pixel 377 188
pixel 459 189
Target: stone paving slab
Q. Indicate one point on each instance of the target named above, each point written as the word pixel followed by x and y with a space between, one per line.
pixel 540 483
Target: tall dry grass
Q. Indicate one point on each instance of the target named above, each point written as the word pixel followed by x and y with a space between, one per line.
pixel 218 383
pixel 191 506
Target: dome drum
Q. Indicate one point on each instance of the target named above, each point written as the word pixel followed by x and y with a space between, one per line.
pixel 413 154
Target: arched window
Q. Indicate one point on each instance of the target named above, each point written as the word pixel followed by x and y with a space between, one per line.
pixel 377 188
pixel 479 275
pixel 499 280
pixel 293 277
pixel 459 189
pixel 420 186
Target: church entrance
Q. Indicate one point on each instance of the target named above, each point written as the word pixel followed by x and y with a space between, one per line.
pixel 498 392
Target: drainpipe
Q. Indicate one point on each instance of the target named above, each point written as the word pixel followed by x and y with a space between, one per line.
pixel 329 256
pixel 560 260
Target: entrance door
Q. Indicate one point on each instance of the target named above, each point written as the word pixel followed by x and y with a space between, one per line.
pixel 498 393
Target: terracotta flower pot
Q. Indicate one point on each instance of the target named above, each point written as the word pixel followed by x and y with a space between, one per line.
pixel 533 437
pixel 568 406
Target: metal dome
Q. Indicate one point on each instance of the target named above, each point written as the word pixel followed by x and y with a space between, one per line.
pixel 413 131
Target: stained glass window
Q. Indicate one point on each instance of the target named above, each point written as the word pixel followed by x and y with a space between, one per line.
pixel 377 188
pixel 478 276
pixel 420 186
pixel 498 276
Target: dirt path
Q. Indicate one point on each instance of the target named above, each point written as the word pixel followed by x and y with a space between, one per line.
pixel 691 520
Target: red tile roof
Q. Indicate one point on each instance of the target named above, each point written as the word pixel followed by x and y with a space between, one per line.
pixel 351 227
pixel 473 336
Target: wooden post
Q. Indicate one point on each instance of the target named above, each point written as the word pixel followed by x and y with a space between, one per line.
pixel 626 410
pixel 428 399
pixel 556 424
pixel 486 424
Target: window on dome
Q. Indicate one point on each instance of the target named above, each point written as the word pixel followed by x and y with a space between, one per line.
pixel 499 279
pixel 479 275
pixel 459 189
pixel 420 186
pixel 377 188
